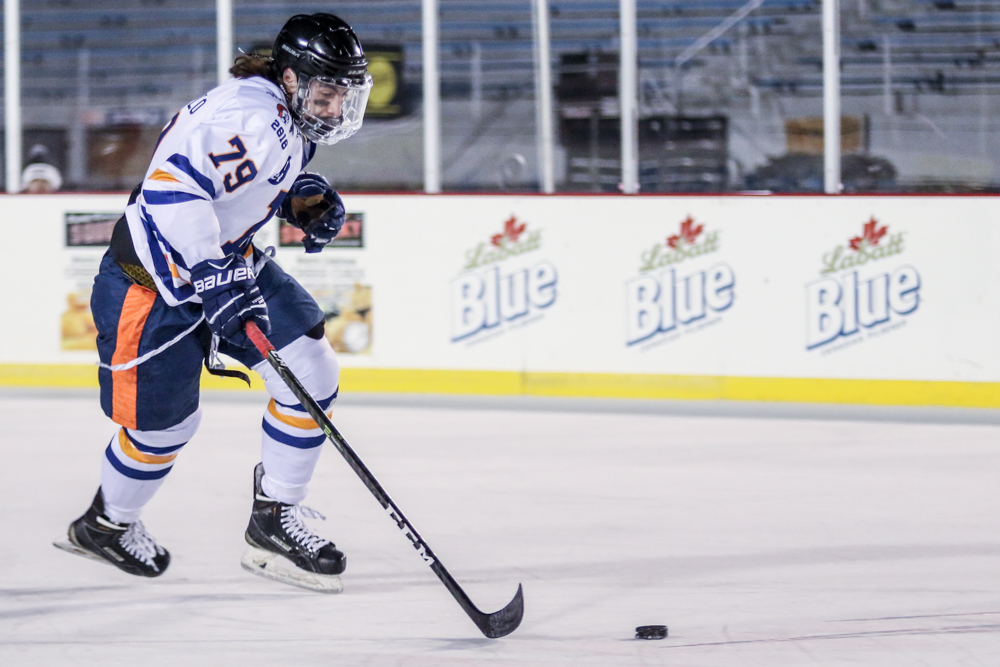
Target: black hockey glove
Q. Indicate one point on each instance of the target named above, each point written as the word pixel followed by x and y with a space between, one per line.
pixel 230 297
pixel 313 206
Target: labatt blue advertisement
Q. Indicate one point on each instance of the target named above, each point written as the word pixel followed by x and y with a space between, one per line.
pixel 681 287
pixel 867 290
pixel 505 284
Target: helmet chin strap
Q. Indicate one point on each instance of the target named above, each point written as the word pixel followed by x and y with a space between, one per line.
pixel 289 95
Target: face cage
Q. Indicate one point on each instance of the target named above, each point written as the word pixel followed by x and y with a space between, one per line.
pixel 331 130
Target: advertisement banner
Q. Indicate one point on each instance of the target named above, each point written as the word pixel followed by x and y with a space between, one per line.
pixel 881 288
pixel 506 283
pixel 337 279
pixel 865 290
pixel 682 287
pixel 87 237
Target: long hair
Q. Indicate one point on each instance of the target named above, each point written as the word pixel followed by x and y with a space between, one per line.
pixel 252 64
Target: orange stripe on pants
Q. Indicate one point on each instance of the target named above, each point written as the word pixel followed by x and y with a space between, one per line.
pixel 138 302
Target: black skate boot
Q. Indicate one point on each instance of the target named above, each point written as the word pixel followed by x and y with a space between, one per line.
pixel 283 548
pixel 127 546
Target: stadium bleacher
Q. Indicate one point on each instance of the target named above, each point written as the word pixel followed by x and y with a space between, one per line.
pixel 88 62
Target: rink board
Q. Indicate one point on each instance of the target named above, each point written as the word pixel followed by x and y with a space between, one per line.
pixel 890 300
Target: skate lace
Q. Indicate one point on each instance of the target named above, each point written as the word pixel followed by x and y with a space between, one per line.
pixel 140 544
pixel 292 521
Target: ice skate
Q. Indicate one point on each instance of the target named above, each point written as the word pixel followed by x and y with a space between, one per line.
pixel 283 548
pixel 127 546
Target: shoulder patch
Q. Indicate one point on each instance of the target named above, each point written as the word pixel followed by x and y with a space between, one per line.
pixel 280 176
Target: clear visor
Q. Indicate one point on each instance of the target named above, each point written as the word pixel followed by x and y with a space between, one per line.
pixel 330 110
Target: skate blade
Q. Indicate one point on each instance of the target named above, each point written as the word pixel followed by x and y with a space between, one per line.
pixel 68 546
pixel 278 568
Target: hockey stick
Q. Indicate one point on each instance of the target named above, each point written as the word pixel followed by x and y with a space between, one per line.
pixel 498 624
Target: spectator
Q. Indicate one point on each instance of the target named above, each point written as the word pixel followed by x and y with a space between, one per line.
pixel 39 177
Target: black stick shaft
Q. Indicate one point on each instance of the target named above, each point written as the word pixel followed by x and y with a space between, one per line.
pixel 494 625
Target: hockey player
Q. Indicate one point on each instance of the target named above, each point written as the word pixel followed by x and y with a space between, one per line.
pixel 182 278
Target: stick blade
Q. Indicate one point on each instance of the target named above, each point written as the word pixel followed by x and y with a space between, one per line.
pixel 502 623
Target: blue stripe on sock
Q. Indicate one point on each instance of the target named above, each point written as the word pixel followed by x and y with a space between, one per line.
pixel 291 440
pixel 324 404
pixel 146 449
pixel 134 474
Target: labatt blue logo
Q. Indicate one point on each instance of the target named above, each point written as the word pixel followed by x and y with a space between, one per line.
pixel 489 296
pixel 663 299
pixel 850 303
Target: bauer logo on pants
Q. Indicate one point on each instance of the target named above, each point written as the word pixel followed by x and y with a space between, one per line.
pixel 672 296
pixel 505 284
pixel 861 295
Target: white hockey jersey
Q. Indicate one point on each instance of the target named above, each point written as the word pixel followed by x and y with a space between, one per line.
pixel 221 169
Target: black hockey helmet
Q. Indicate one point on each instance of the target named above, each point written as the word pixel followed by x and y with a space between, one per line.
pixel 320 45
pixel 323 52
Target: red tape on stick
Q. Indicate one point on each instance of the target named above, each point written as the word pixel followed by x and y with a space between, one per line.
pixel 258 338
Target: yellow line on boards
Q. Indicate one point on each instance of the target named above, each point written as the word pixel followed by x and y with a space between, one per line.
pixel 47 375
pixel 678 387
pixel 591 385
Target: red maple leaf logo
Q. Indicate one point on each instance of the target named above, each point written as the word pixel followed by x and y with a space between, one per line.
pixel 871 235
pixel 511 230
pixel 689 233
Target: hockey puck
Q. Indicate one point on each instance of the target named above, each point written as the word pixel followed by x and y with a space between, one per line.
pixel 651 632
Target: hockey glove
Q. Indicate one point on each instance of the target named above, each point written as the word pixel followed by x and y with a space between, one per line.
pixel 229 298
pixel 313 206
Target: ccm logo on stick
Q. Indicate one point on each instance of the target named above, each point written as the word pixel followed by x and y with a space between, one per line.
pixel 220 279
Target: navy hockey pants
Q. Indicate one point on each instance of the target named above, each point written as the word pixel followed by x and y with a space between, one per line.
pixel 163 390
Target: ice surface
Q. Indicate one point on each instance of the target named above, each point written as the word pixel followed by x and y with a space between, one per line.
pixel 759 542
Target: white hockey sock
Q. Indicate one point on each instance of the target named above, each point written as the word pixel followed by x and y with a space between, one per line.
pixel 291 441
pixel 289 452
pixel 135 465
